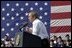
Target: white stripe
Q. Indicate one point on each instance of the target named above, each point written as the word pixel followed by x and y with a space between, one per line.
pixel 60 9
pixel 60 34
pixel 60 22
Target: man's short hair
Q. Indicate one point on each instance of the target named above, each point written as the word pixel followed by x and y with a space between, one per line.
pixel 34 13
pixel 67 35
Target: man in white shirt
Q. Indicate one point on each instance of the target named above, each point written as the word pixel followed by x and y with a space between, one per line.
pixel 38 28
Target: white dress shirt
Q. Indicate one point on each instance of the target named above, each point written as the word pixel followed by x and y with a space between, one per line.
pixel 39 29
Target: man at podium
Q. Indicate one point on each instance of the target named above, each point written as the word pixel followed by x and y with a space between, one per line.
pixel 38 28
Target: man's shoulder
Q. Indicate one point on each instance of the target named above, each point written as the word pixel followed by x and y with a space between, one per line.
pixel 37 21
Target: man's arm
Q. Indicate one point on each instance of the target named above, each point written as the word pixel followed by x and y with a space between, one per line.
pixel 35 28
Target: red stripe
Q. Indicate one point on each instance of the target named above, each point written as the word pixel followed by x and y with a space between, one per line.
pixel 59 29
pixel 61 15
pixel 59 3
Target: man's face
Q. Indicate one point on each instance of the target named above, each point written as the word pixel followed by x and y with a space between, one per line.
pixel 30 17
pixel 5 37
pixel 59 40
pixel 67 38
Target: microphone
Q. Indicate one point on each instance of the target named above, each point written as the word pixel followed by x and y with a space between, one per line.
pixel 24 25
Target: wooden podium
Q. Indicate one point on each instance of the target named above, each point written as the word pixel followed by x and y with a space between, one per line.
pixel 24 39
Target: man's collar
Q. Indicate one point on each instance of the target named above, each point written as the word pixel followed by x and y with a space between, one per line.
pixel 34 21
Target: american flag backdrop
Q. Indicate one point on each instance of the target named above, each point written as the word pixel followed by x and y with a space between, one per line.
pixel 60 18
pixel 56 15
pixel 15 13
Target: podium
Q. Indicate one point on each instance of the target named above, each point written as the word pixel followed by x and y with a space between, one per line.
pixel 24 39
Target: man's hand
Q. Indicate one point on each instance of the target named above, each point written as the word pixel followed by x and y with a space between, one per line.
pixel 29 30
